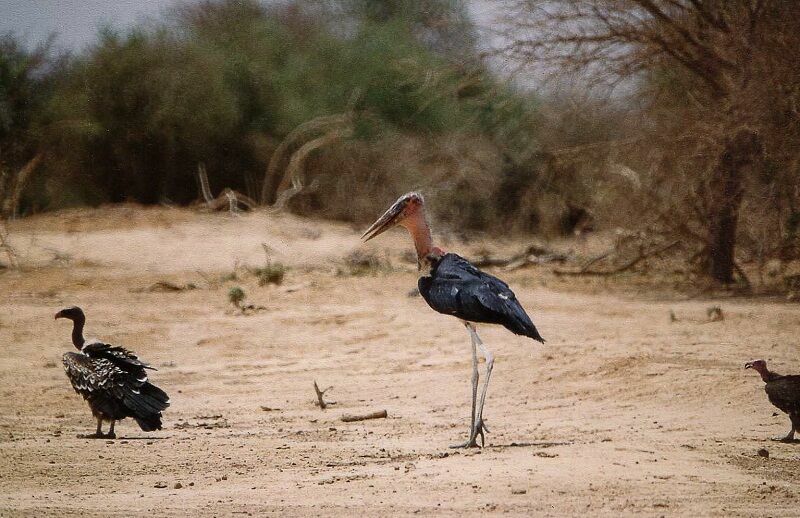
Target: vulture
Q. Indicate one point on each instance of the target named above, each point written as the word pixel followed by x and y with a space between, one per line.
pixel 783 392
pixel 112 380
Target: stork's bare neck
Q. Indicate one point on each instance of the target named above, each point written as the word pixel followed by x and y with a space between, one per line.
pixel 417 225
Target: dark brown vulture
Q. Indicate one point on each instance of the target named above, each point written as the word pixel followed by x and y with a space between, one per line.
pixel 112 380
pixel 783 392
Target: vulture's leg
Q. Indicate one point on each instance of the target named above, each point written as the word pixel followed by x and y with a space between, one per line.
pixel 111 434
pixel 98 434
pixel 795 428
pixel 489 357
pixel 790 436
pixel 471 442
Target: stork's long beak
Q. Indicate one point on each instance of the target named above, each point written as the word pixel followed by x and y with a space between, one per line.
pixel 389 219
pixel 748 365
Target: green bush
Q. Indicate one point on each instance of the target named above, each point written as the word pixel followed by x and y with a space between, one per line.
pixel 222 83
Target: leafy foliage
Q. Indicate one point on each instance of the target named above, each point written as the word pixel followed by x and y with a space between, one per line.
pixel 223 82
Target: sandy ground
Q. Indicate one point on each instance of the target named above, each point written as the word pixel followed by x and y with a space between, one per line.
pixel 622 412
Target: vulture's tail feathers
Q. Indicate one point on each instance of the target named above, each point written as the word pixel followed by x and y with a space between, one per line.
pixel 149 423
pixel 147 406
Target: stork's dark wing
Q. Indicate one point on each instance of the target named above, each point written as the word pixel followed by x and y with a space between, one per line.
pixel 784 393
pixel 456 287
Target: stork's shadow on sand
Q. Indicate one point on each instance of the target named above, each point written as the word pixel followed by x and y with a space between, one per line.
pixel 534 444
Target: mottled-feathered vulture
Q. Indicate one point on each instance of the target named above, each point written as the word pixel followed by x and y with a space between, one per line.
pixel 783 392
pixel 112 380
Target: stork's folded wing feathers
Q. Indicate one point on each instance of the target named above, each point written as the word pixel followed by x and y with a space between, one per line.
pixel 503 304
pixel 456 287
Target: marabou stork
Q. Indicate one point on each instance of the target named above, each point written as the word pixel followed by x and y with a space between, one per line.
pixel 112 380
pixel 783 392
pixel 453 286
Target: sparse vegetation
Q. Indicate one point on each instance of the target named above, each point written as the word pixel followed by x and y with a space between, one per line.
pixel 236 296
pixel 230 276
pixel 363 262
pixel 270 273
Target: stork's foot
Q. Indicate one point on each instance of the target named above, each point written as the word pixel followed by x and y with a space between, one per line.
pixel 110 435
pixel 473 437
pixel 472 443
pixel 788 439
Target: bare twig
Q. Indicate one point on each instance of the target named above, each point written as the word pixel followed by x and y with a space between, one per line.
pixel 588 264
pixel 205 188
pixel 624 267
pixel 301 133
pixel 380 414
pixel 232 207
pixel 12 255
pixel 320 396
pixel 11 204
pixel 294 171
pixel 742 276
pixel 228 198
pixel 533 254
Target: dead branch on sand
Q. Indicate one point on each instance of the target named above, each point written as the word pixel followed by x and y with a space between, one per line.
pixel 294 171
pixel 10 204
pixel 380 414
pixel 532 255
pixel 320 396
pixel 227 199
pixel 628 265
pixel 302 133
pixel 10 253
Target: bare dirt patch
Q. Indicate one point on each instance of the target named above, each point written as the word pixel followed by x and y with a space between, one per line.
pixel 621 412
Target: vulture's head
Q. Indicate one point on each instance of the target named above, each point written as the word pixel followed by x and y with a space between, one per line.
pixel 73 313
pixel 407 211
pixel 759 366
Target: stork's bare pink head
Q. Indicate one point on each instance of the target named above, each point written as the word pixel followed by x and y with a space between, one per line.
pixel 408 207
pixel 408 212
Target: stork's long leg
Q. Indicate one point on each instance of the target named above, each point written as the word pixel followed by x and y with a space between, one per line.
pixel 475 377
pixel 489 357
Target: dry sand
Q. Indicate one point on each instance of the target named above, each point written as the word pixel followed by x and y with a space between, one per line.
pixel 622 412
